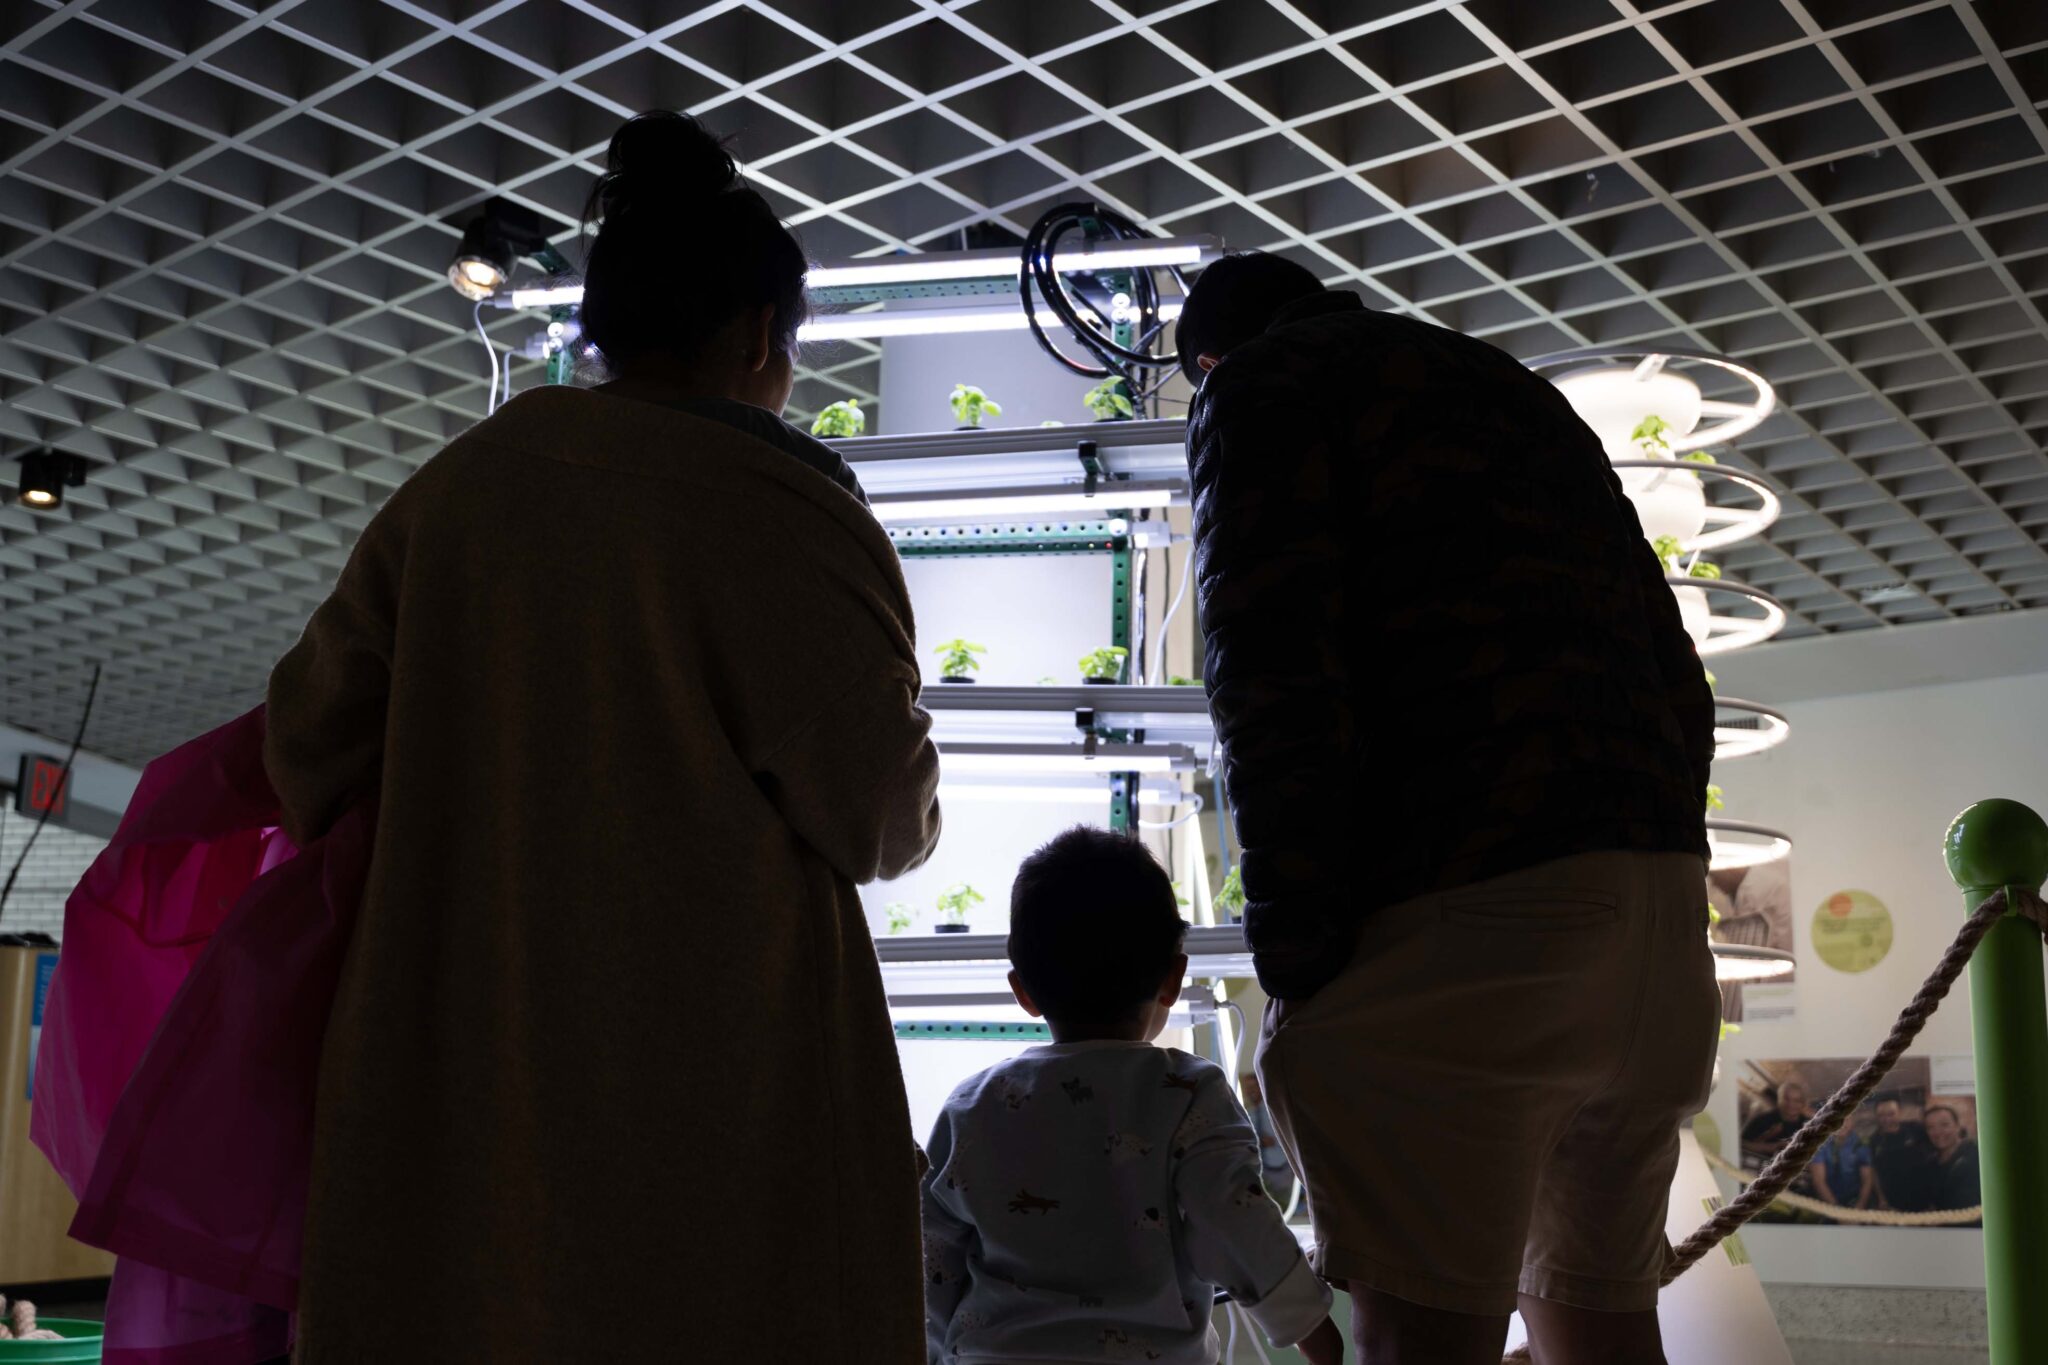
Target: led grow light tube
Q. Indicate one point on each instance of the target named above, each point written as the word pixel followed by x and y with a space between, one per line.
pixel 1020 502
pixel 920 322
pixel 1740 962
pixel 916 270
pixel 542 298
pixel 849 326
pixel 1054 795
pixel 1024 760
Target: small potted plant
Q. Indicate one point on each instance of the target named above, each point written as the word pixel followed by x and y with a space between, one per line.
pixel 1668 502
pixel 1109 401
pixel 1182 680
pixel 957 659
pixel 1105 665
pixel 970 405
pixel 899 916
pixel 1230 895
pixel 954 903
pixel 843 418
pixel 1693 609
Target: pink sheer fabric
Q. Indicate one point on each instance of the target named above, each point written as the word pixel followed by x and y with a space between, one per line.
pixel 181 1049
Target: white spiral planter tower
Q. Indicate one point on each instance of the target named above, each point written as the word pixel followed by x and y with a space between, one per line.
pixel 1655 424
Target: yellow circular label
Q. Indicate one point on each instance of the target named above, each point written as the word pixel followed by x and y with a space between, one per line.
pixel 1707 1133
pixel 1852 931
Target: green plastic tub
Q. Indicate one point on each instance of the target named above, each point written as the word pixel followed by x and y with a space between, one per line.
pixel 81 1342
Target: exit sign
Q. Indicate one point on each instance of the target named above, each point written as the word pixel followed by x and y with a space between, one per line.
pixel 42 786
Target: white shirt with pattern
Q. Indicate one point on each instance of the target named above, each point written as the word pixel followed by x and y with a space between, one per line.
pixel 1085 1201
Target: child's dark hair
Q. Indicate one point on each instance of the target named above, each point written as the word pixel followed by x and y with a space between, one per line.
pixel 682 246
pixel 1233 301
pixel 1094 926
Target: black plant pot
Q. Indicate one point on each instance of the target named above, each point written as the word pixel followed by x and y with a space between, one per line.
pixel 956 680
pixel 1100 682
pixel 949 928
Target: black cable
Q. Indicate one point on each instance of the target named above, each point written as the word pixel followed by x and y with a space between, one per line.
pixel 1036 272
pixel 63 790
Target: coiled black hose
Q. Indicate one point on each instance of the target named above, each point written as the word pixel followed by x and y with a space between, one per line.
pixel 1068 301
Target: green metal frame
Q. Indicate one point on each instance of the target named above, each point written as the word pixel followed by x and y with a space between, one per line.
pixel 1123 787
pixel 971 1031
pixel 1064 538
pixel 1991 846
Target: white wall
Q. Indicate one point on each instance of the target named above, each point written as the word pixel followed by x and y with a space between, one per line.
pixel 918 373
pixel 1866 786
pixel 60 856
pixel 95 781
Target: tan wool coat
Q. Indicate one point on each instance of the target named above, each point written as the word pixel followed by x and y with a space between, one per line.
pixel 610 1074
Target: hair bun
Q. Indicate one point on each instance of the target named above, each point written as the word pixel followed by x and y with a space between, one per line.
pixel 661 159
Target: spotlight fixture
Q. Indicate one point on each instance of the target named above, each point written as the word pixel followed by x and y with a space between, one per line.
pixel 492 243
pixel 45 475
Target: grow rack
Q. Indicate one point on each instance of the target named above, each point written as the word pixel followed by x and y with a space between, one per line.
pixel 1102 468
pixel 1075 728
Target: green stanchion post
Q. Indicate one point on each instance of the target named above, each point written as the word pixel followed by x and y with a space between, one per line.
pixel 1992 845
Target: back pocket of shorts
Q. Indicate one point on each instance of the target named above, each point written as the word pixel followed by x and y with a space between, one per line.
pixel 1531 909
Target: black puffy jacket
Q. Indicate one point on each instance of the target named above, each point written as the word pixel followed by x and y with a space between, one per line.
pixel 1439 647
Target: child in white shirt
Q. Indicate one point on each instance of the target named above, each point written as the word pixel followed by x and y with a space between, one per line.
pixel 1086 1199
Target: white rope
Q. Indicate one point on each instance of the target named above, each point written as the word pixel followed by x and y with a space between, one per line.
pixel 1842 1213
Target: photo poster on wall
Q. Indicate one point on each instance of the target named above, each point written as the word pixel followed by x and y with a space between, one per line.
pixel 1906 1158
pixel 1753 906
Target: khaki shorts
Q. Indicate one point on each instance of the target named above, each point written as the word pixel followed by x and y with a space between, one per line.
pixel 1488 1099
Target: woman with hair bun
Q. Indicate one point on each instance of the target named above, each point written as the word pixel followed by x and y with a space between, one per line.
pixel 630 673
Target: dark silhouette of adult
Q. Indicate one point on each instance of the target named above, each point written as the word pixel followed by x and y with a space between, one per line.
pixel 631 674
pixel 1466 745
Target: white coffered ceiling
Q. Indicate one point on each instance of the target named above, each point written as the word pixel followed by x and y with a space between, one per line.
pixel 223 230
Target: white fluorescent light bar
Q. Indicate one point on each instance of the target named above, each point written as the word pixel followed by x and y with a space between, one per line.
pixel 916 322
pixel 1004 502
pixel 1062 795
pixel 914 270
pixel 545 298
pixel 1731 964
pixel 1021 760
pixel 920 269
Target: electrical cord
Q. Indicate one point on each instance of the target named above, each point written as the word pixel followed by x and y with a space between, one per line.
pixel 1237 1312
pixel 1194 804
pixel 1223 823
pixel 63 787
pixel 1037 272
pixel 1187 566
pixel 490 399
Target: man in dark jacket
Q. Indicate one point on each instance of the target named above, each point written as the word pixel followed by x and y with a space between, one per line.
pixel 1466 743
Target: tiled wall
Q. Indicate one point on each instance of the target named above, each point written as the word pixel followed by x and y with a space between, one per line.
pixel 54 866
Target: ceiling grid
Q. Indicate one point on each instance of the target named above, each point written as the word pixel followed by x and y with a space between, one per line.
pixel 223 229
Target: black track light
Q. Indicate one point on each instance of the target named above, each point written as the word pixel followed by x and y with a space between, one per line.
pixel 492 243
pixel 45 475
